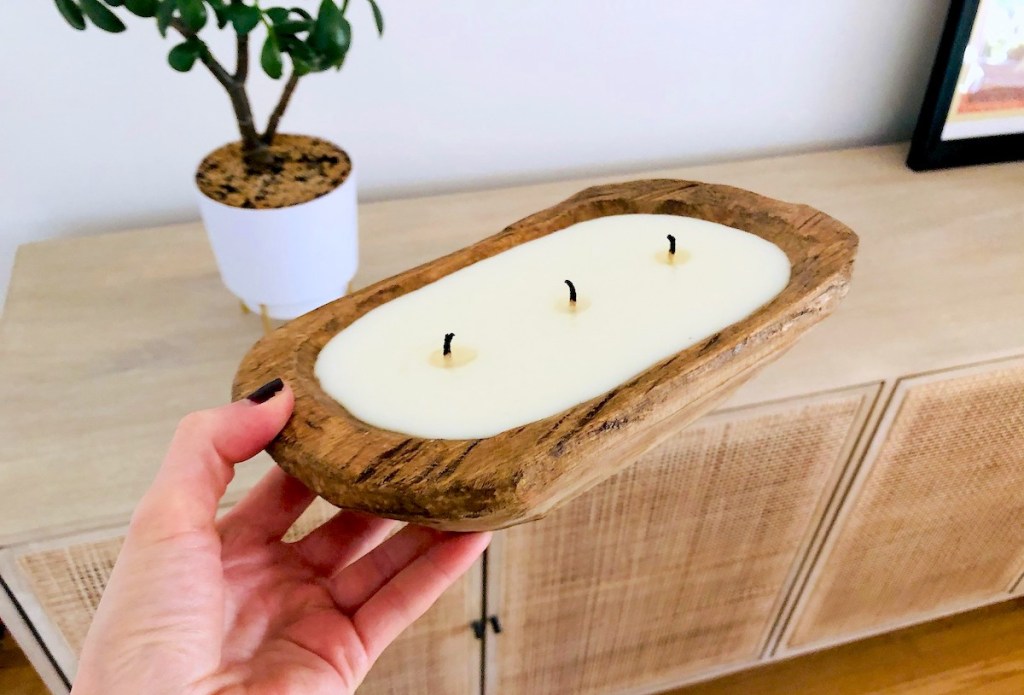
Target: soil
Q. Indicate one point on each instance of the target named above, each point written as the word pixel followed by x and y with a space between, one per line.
pixel 302 168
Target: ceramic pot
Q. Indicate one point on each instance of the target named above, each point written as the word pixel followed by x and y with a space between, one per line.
pixel 289 259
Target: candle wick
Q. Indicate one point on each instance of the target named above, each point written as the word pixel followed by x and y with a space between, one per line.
pixel 671 245
pixel 572 291
pixel 447 352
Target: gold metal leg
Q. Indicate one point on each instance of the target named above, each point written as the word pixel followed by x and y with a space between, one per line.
pixel 265 318
pixel 245 308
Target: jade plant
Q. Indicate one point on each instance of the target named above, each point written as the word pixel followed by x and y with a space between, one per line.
pixel 312 44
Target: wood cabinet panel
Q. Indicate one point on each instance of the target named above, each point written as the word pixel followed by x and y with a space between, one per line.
pixel 676 566
pixel 59 583
pixel 933 522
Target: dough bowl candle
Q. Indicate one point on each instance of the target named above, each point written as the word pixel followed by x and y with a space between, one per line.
pixel 486 387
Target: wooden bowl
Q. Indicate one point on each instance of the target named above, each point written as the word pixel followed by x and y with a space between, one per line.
pixel 521 474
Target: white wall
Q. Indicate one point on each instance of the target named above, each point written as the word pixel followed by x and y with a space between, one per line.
pixel 97 133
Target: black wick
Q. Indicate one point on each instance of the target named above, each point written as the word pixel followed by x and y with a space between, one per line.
pixel 448 344
pixel 671 245
pixel 572 291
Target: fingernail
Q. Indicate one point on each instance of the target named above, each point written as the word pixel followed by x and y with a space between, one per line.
pixel 266 392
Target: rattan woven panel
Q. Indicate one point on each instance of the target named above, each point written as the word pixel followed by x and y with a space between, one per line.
pixel 437 654
pixel 68 583
pixel 674 567
pixel 934 520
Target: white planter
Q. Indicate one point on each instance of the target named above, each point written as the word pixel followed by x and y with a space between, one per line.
pixel 291 260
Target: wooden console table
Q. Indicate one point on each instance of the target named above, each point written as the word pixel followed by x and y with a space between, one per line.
pixel 869 479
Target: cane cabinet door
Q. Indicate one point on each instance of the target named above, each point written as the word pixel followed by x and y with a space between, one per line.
pixel 933 522
pixel 677 566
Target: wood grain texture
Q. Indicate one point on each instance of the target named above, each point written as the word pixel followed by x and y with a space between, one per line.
pixel 981 652
pixel 16 675
pixel 521 474
pixel 19 631
pixel 116 336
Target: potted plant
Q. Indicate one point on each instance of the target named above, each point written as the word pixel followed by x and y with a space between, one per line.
pixel 279 210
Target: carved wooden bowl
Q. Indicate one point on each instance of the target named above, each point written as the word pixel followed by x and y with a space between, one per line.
pixel 521 474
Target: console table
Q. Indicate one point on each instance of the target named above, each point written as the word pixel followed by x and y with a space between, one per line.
pixel 871 478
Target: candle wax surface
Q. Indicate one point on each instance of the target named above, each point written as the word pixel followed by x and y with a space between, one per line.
pixel 531 356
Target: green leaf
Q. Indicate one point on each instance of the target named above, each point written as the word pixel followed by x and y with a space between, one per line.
pixel 183 56
pixel 164 13
pixel 193 14
pixel 302 13
pixel 292 26
pixel 220 10
pixel 328 19
pixel 378 18
pixel 72 13
pixel 270 57
pixel 331 35
pixel 304 60
pixel 297 49
pixel 343 39
pixel 142 8
pixel 114 3
pixel 276 14
pixel 243 17
pixel 102 17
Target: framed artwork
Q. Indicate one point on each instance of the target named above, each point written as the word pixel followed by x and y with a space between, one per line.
pixel 973 111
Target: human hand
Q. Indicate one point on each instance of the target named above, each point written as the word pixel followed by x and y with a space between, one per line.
pixel 200 606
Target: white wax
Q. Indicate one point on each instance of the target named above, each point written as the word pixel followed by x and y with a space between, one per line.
pixel 533 357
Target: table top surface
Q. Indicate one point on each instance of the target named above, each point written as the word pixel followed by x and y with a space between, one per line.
pixel 106 341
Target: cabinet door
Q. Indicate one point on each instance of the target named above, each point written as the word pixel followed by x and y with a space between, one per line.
pixel 933 522
pixel 675 567
pixel 58 585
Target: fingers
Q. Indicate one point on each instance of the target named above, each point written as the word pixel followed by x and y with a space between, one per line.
pixel 355 584
pixel 344 538
pixel 269 509
pixel 200 462
pixel 398 603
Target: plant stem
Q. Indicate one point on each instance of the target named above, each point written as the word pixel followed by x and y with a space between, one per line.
pixel 242 59
pixel 253 149
pixel 241 53
pixel 282 104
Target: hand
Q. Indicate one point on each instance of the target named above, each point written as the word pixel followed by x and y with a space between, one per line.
pixel 199 606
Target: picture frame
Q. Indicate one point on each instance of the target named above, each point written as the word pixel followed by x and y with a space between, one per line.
pixel 973 110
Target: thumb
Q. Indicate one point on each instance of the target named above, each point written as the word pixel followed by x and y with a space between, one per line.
pixel 200 461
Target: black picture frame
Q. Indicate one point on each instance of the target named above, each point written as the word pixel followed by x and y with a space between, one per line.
pixel 927 148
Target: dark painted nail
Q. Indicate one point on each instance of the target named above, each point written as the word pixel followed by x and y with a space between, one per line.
pixel 266 392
